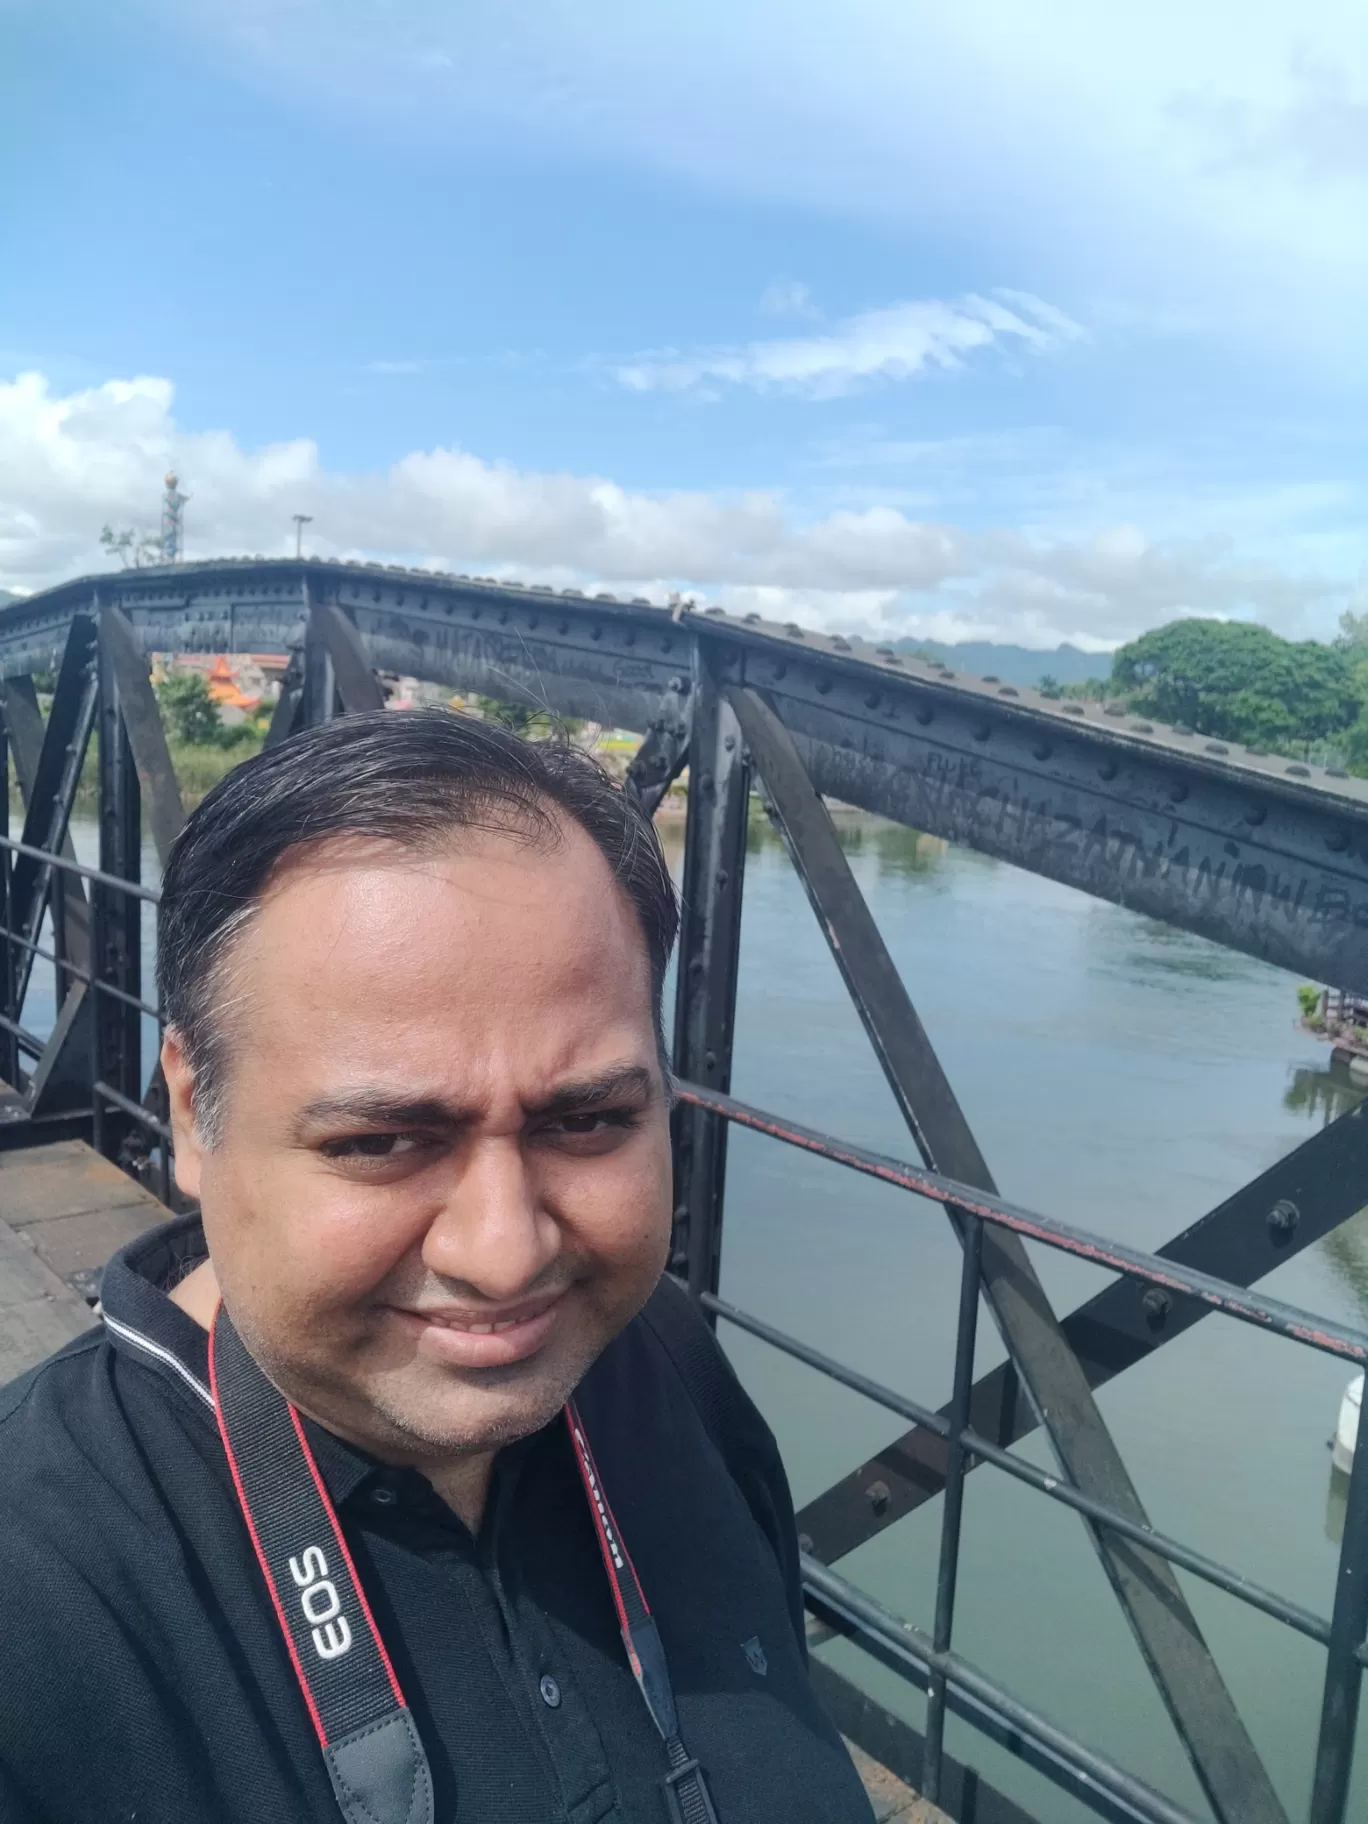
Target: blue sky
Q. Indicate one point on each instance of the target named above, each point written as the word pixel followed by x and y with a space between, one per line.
pixel 1029 323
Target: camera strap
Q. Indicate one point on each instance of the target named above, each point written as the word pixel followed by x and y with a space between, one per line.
pixel 370 1744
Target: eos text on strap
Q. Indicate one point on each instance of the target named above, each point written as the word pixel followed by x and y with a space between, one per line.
pixel 370 1744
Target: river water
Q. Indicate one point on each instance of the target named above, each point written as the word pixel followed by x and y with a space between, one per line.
pixel 1124 1077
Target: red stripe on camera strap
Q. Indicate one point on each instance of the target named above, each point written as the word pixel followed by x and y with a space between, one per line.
pixel 374 1758
pixel 686 1789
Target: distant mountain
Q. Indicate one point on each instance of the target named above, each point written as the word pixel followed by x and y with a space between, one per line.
pixel 6 597
pixel 1014 664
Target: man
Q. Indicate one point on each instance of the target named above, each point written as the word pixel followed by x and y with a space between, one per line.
pixel 398 1485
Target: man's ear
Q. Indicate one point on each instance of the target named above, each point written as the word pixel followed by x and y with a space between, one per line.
pixel 180 1085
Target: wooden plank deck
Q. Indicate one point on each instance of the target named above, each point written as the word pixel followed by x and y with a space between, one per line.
pixel 63 1211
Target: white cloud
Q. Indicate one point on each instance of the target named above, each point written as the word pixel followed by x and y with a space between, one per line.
pixel 897 342
pixel 788 298
pixel 1045 136
pixel 70 463
pixel 1318 132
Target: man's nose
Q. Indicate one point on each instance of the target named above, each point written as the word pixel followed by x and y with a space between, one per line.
pixel 492 1233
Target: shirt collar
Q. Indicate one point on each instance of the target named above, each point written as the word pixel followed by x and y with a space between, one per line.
pixel 143 1324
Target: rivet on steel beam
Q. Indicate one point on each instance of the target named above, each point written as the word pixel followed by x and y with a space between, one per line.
pixel 823 687
pixel 1255 814
pixel 872 700
pixel 729 742
pixel 878 1495
pixel 981 731
pixel 1177 791
pixel 677 683
pixel 696 965
pixel 1337 842
pixel 1283 1218
pixel 780 671
pixel 1042 750
pixel 1155 1304
pixel 721 877
pixel 710 1060
pixel 1108 770
pixel 924 714
pixel 805 1542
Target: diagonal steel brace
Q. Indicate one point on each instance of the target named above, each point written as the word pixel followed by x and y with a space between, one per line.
pixel 1213 1734
pixel 1296 1202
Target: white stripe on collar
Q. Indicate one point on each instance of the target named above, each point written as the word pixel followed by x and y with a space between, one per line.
pixel 139 1341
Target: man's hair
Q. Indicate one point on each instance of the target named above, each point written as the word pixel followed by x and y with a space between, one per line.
pixel 411 777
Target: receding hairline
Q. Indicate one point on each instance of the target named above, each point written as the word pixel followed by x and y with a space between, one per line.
pixel 547 826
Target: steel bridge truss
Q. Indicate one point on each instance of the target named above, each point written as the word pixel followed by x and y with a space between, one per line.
pixel 1260 854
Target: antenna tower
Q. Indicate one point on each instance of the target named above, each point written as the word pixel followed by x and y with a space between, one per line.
pixel 173 510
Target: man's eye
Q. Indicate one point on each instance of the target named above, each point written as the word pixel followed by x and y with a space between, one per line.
pixel 372 1146
pixel 596 1122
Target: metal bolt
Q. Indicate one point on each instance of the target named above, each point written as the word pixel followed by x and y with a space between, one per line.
pixel 1283 1218
pixel 729 742
pixel 710 1060
pixel 805 1542
pixel 1155 1304
pixel 878 1495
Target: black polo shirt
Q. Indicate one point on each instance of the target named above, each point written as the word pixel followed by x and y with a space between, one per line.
pixel 143 1676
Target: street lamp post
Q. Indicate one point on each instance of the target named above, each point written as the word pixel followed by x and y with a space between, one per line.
pixel 300 520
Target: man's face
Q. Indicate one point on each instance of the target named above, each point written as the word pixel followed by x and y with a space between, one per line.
pixel 443 1179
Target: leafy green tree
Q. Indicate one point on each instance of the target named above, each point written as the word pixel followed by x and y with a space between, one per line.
pixel 191 713
pixel 1090 690
pixel 1050 686
pixel 1239 682
pixel 520 718
pixel 134 550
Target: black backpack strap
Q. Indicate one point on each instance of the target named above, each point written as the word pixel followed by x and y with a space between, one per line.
pixel 740 1436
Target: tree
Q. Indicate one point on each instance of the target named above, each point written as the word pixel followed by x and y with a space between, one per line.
pixel 134 550
pixel 189 709
pixel 1239 682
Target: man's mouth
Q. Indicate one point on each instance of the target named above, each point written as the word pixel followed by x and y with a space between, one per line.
pixel 485 1326
pixel 467 1339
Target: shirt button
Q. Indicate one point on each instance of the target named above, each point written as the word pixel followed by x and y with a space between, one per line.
pixel 550 1691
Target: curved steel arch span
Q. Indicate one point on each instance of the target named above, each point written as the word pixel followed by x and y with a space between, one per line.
pixel 1264 855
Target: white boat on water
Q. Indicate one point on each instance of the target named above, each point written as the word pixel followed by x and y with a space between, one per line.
pixel 1346 1430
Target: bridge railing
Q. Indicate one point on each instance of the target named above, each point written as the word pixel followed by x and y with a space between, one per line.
pixel 926 1659
pixel 88 1077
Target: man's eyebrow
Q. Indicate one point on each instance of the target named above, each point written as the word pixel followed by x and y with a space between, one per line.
pixel 621 1082
pixel 380 1108
pixel 377 1108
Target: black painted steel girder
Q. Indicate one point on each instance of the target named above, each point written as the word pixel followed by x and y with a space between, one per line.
pixel 1296 1202
pixel 1165 1629
pixel 1266 855
pixel 708 964
pixel 117 946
